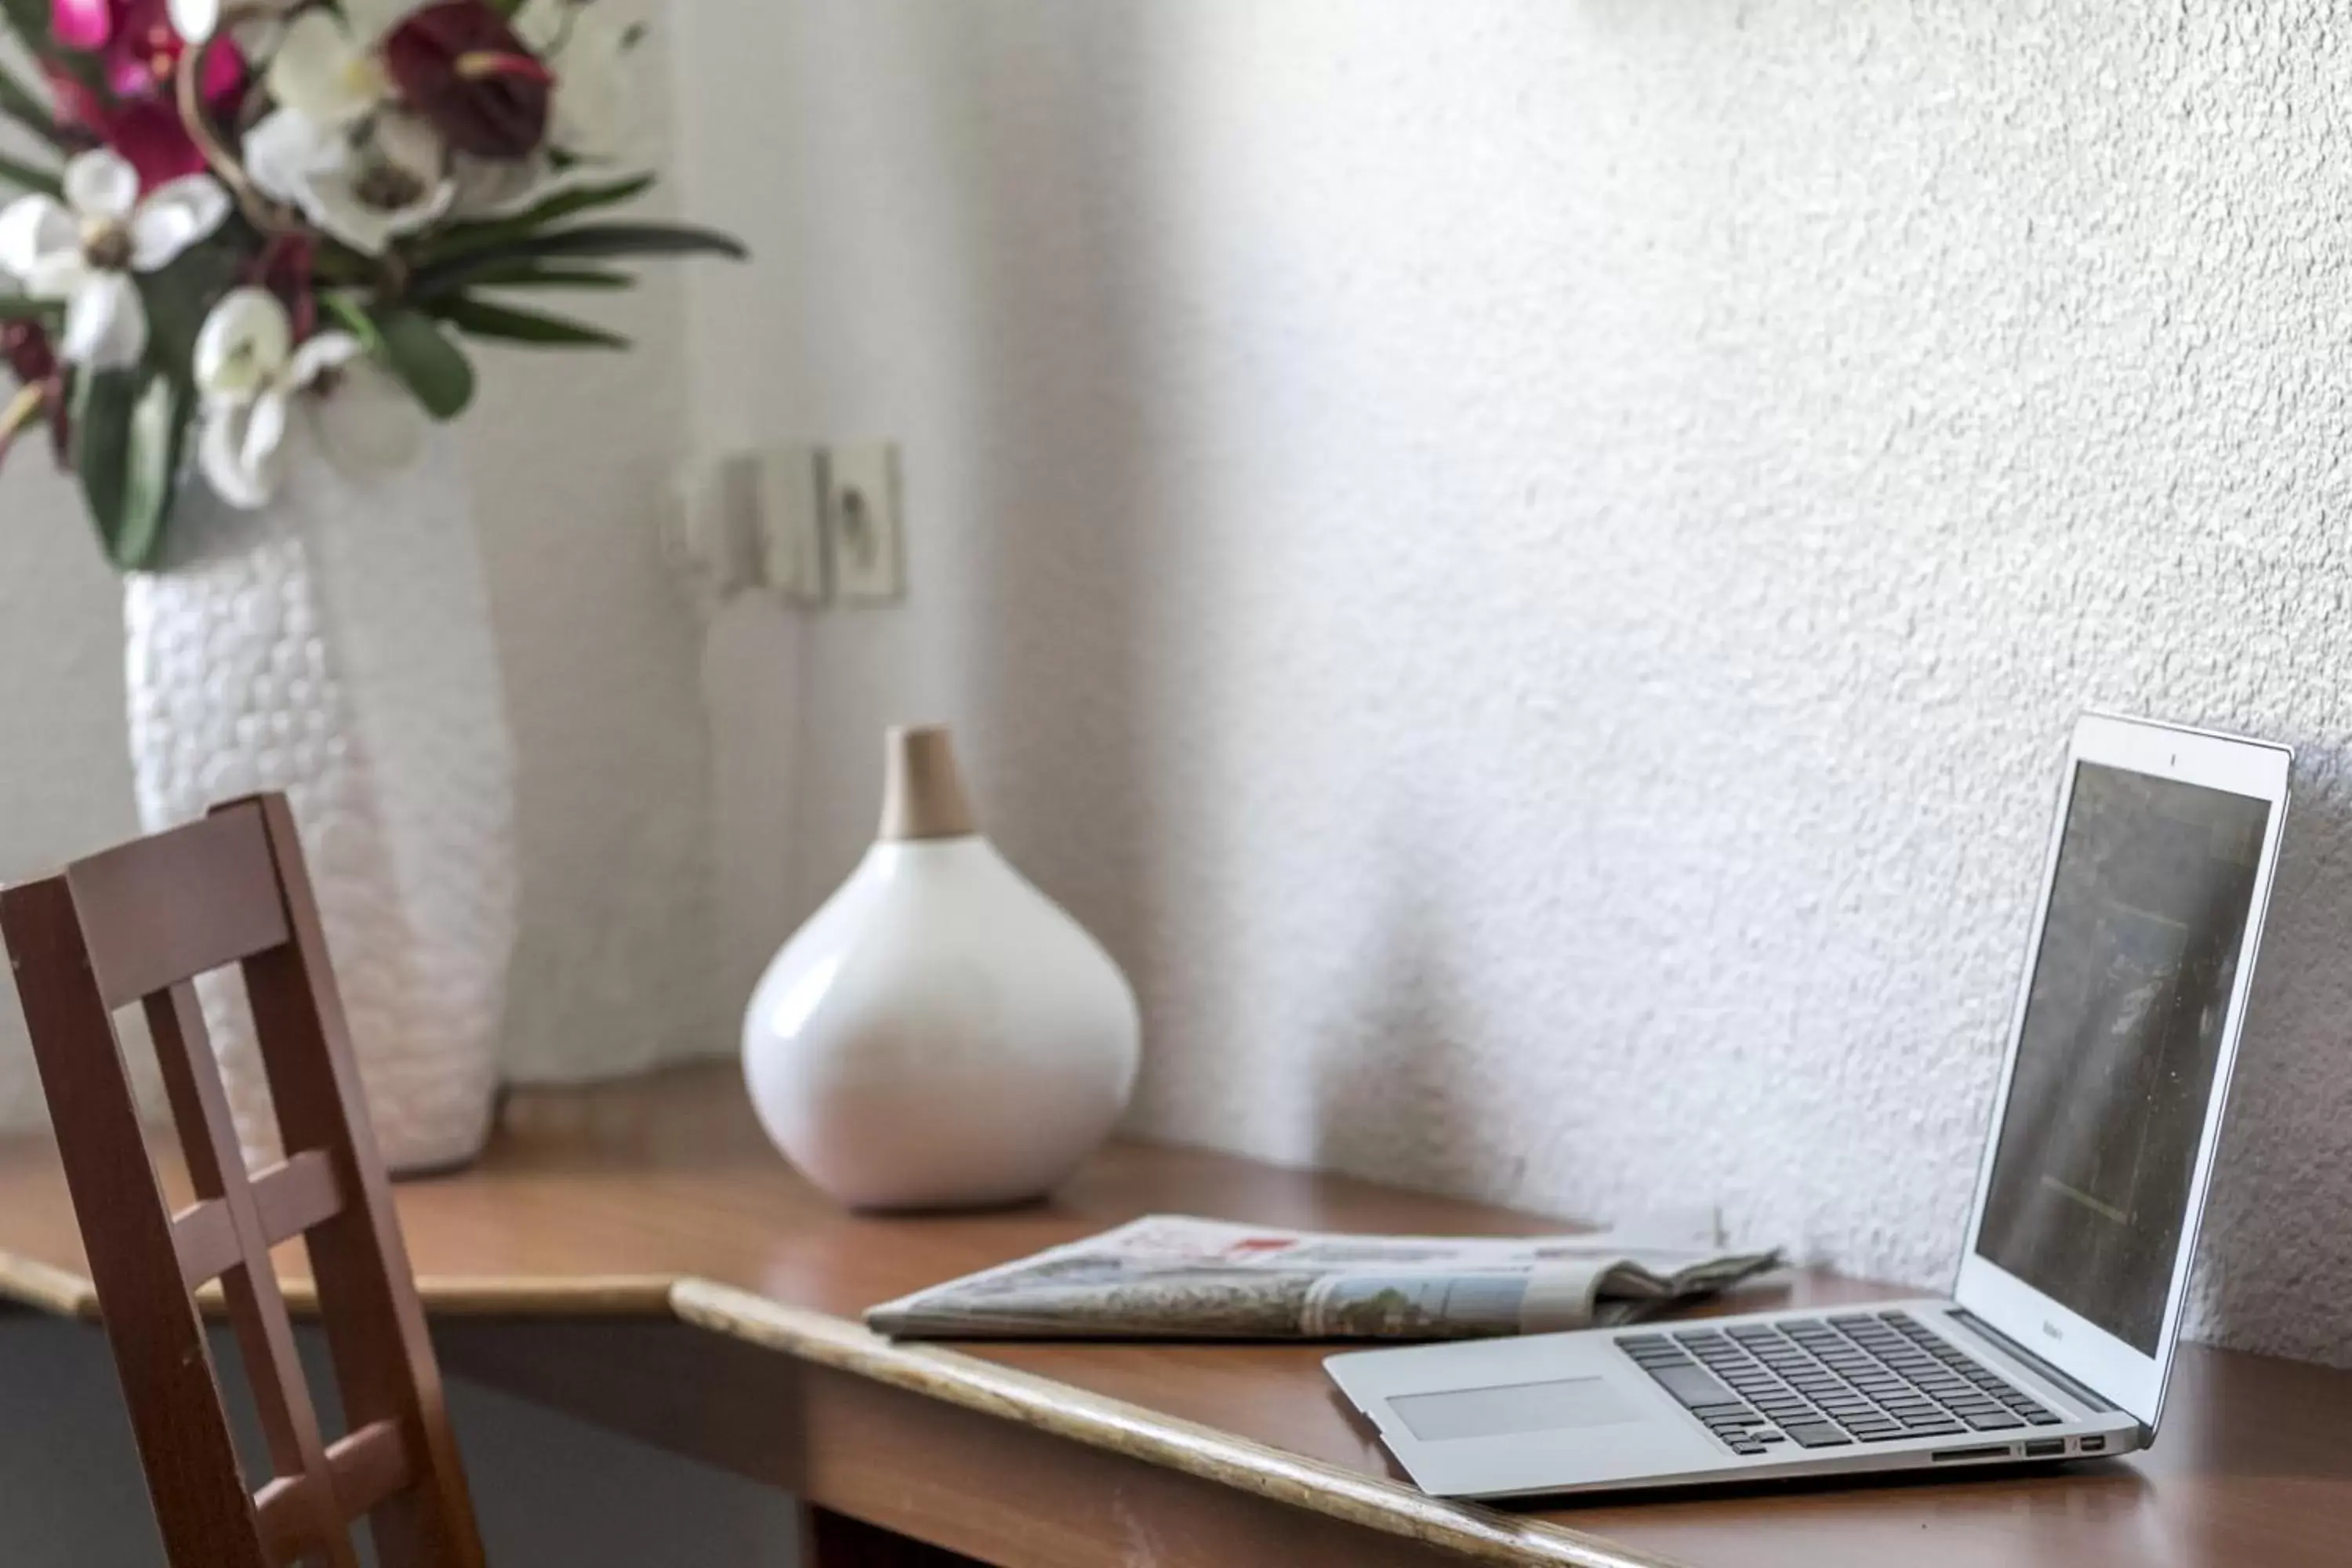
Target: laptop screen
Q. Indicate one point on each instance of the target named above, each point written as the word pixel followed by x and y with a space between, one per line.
pixel 2123 1027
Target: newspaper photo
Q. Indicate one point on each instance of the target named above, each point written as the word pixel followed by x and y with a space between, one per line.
pixel 1176 1276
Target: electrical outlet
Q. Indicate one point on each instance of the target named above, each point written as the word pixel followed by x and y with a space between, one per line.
pixel 791 524
pixel 863 532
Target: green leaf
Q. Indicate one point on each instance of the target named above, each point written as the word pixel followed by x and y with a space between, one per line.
pixel 179 297
pixel 436 369
pixel 29 20
pixel 530 274
pixel 126 448
pixel 510 323
pixel 16 308
pixel 26 178
pixel 499 272
pixel 488 233
pixel 633 239
pixel 347 313
pixel 588 242
pixel 22 104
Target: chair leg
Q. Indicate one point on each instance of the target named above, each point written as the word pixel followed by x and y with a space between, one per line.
pixel 830 1539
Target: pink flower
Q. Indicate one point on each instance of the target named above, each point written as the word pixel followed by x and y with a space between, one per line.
pixel 139 54
pixel 82 24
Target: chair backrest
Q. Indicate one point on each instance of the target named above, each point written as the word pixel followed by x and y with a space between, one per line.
pixel 138 924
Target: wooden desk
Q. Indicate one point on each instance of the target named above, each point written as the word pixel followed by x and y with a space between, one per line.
pixel 638 1255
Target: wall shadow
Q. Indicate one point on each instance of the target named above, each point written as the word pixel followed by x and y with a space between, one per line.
pixel 2275 1263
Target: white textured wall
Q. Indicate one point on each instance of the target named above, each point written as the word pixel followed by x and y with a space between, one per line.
pixel 1527 566
pixel 572 460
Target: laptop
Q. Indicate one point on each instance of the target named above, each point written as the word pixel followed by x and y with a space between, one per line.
pixel 2058 1335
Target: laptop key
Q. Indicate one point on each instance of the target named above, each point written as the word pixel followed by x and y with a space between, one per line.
pixel 1691 1386
pixel 1815 1434
pixel 1825 1383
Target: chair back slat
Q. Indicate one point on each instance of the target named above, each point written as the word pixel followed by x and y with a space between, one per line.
pixel 159 910
pixel 140 923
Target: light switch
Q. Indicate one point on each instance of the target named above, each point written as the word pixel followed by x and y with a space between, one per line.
pixel 710 539
pixel 864 536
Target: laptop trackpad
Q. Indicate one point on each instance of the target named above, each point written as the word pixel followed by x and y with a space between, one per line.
pixel 1511 1409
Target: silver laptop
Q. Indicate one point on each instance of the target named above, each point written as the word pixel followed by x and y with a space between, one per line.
pixel 2058 1335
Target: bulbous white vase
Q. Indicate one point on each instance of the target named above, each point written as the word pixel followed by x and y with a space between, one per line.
pixel 941 1033
pixel 336 645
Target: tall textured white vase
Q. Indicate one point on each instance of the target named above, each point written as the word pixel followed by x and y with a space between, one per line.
pixel 336 645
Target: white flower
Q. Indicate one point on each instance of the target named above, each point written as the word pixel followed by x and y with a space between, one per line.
pixel 194 19
pixel 248 372
pixel 495 187
pixel 366 183
pixel 255 31
pixel 586 47
pixel 328 69
pixel 85 249
pixel 338 147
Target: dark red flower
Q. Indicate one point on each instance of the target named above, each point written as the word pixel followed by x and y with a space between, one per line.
pixel 460 65
pixel 139 59
pixel 155 142
pixel 26 349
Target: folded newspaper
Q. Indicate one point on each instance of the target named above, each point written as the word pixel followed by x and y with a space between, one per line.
pixel 1176 1276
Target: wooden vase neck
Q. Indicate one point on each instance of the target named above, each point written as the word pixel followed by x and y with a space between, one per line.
pixel 922 792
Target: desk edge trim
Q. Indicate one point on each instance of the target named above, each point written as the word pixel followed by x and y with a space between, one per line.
pixel 1096 1421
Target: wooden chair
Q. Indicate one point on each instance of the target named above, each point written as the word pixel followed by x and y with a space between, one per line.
pixel 138 924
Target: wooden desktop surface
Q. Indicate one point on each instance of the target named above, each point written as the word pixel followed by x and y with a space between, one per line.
pixel 657 1201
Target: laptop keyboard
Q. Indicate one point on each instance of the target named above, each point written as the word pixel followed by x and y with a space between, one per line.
pixel 1830 1382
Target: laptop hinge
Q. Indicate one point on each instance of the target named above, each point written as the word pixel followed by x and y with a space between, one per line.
pixel 1978 1326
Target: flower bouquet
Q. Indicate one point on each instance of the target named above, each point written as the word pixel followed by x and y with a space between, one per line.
pixel 233 219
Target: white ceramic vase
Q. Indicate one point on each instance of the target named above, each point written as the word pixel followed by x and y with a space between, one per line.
pixel 941 1033
pixel 336 645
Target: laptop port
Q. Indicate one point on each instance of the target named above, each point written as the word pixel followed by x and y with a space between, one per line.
pixel 1952 1456
pixel 2045 1447
pixel 2090 1445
